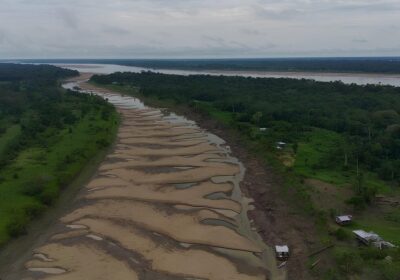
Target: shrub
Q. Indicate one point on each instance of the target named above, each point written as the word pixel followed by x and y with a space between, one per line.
pixel 358 202
pixel 342 234
pixel 33 189
pixel 49 195
pixel 348 261
pixel 37 185
pixel 17 226
pixel 390 271
pixel 371 253
pixel 393 217
pixel 332 274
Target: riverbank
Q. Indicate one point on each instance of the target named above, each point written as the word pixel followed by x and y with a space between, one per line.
pixel 278 220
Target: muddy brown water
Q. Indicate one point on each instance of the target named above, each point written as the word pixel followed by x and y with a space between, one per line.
pixel 165 204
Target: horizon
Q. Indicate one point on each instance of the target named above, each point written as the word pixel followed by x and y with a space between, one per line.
pixel 204 58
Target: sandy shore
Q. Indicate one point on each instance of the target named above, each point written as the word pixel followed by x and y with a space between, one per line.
pixel 165 204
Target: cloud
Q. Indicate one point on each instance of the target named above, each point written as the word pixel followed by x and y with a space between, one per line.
pixel 218 41
pixel 68 18
pixel 115 30
pixel 363 41
pixel 198 28
pixel 251 31
pixel 2 37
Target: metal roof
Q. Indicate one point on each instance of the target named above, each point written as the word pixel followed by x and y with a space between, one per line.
pixel 367 235
pixel 282 249
pixel 345 218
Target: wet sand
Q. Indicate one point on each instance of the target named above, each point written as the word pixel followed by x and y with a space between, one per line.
pixel 165 204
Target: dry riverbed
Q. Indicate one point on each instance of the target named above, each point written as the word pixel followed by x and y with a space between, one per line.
pixel 165 204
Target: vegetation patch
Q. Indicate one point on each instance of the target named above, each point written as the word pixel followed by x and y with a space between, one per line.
pixel 49 135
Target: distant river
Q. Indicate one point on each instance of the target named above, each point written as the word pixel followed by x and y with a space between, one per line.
pixel 348 78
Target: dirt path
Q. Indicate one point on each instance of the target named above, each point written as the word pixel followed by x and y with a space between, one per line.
pixel 165 204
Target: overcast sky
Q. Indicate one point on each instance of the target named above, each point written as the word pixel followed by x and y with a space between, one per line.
pixel 198 28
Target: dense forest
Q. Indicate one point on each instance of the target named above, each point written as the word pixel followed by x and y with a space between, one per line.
pixel 388 65
pixel 362 65
pixel 344 136
pixel 367 116
pixel 35 73
pixel 47 135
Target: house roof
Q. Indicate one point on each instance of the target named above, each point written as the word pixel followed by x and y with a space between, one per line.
pixel 344 218
pixel 367 235
pixel 282 249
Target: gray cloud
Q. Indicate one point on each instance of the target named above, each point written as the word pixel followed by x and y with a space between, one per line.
pixel 363 41
pixel 115 30
pixel 2 37
pixel 68 18
pixel 198 28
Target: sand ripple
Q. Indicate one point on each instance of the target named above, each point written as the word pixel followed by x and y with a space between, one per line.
pixel 165 204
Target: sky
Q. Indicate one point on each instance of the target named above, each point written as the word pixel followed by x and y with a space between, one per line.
pixel 198 28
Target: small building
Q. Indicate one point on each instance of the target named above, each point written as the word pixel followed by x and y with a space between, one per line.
pixel 263 129
pixel 280 145
pixel 282 252
pixel 344 220
pixel 366 237
pixel 383 245
pixel 372 239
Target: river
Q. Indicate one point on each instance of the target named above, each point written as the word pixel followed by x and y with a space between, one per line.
pixel 347 78
pixel 164 204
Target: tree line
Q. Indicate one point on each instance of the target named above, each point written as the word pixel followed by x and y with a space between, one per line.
pixel 47 136
pixel 366 116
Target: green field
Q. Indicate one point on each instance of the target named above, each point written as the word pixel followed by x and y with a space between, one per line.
pixel 312 160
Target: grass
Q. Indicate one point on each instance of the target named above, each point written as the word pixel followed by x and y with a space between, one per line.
pixel 221 116
pixel 313 150
pixel 389 231
pixel 36 176
pixel 313 158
